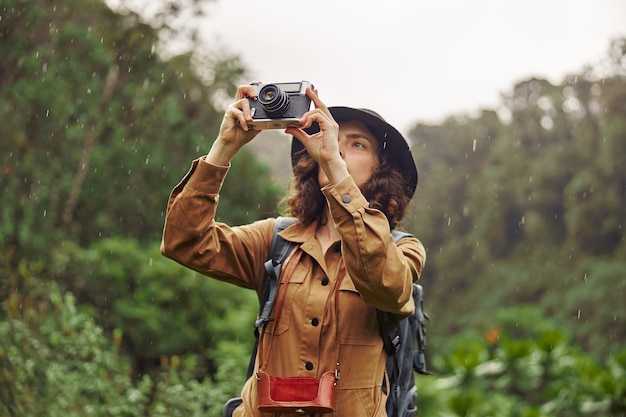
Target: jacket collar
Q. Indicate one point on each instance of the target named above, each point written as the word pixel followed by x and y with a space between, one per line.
pixel 299 233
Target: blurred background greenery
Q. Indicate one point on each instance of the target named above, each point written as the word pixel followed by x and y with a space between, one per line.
pixel 522 212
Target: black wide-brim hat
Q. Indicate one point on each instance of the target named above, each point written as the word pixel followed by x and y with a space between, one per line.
pixel 391 142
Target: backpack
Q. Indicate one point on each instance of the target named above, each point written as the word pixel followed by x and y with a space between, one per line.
pixel 404 340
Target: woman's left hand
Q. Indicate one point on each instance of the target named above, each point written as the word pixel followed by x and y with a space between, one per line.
pixel 323 146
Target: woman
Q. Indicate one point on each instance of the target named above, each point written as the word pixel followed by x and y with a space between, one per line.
pixel 353 179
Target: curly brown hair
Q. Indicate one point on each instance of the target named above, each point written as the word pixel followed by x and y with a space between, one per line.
pixel 385 191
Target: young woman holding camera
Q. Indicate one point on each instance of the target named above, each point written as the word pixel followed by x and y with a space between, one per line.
pixel 354 177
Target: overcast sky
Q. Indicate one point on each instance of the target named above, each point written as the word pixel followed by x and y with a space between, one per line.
pixel 415 60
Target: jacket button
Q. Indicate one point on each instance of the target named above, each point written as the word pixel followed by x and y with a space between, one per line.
pixel 346 198
pixel 325 281
pixel 309 366
pixel 315 322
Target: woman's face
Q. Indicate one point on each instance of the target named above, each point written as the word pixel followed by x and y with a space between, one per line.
pixel 359 149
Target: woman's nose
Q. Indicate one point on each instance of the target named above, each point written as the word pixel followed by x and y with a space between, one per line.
pixel 341 151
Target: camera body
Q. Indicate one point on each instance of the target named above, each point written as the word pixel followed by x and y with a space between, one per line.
pixel 279 105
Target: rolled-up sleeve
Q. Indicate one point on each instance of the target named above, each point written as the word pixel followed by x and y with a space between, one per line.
pixel 382 270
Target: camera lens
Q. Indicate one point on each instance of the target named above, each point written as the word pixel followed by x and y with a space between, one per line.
pixel 274 100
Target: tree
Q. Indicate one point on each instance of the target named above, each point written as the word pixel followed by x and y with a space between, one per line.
pixel 510 208
pixel 97 128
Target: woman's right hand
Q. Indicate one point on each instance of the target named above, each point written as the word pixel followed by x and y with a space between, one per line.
pixel 234 132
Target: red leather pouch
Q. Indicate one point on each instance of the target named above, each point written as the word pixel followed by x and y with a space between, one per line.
pixel 296 395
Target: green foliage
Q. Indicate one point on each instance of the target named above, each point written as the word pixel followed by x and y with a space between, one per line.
pixel 525 208
pixel 524 366
pixel 162 308
pixel 54 360
pixel 97 128
pixel 235 208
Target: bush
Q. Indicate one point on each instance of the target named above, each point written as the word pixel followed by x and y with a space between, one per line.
pixel 162 308
pixel 524 366
pixel 55 361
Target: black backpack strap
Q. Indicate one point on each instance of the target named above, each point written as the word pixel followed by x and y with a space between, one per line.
pixel 419 359
pixel 279 250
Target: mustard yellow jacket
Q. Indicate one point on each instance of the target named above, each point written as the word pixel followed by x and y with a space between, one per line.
pixel 379 274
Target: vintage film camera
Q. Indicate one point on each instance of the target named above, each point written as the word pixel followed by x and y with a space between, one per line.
pixel 279 105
